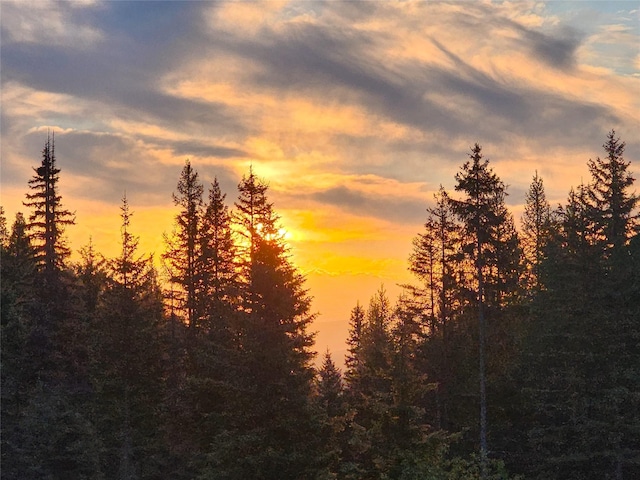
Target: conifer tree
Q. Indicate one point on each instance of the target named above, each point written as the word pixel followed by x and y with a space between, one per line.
pixel 127 365
pixel 492 245
pixel 481 186
pixel 369 390
pixel 438 263
pixel 17 268
pixel 332 410
pixel 212 363
pixel 330 388
pixel 582 352
pixel 535 228
pixel 92 277
pixel 354 341
pixel 48 218
pixel 183 248
pixel 612 204
pixel 218 258
pixel 272 421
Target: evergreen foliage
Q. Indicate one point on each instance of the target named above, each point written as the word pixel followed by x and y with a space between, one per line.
pixel 105 375
pixel 48 218
pixel 536 222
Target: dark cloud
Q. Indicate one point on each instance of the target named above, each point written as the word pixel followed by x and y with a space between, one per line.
pixel 325 60
pixel 393 209
pixel 130 95
pixel 330 63
pixel 557 51
pixel 189 148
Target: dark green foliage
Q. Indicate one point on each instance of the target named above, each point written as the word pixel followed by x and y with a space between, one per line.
pixel 536 222
pixel 48 218
pixel 183 248
pixel 271 427
pixel 101 378
pixel 612 205
pixel 126 363
pixel 582 357
pixel 385 432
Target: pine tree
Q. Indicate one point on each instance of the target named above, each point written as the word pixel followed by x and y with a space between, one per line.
pixel 481 186
pixel 49 217
pixel 183 248
pixel 612 205
pixel 535 229
pixel 218 258
pixel 332 410
pixel 354 341
pixel 127 365
pixel 386 434
pixel 330 388
pixel 272 424
pixel 92 277
pixel 18 265
pixel 436 261
pixel 491 244
pixel 212 362
pixel 369 391
pixel 582 351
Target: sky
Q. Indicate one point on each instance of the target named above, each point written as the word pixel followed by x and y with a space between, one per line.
pixel 353 112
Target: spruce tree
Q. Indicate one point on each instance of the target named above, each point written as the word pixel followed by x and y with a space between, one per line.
pixel 212 363
pixel 582 352
pixel 183 247
pixel 127 363
pixel 436 261
pixel 535 229
pixel 354 344
pixel 219 277
pixel 49 218
pixel 476 210
pixel 612 204
pixel 18 265
pixel 332 410
pixel 490 244
pixel 369 392
pixel 272 423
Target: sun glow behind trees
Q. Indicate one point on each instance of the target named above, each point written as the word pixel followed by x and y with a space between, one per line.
pixel 228 366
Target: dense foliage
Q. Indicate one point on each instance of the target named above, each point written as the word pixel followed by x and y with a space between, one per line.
pixel 515 350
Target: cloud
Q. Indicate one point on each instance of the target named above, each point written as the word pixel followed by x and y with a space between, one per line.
pixel 48 22
pixel 357 108
pixel 402 210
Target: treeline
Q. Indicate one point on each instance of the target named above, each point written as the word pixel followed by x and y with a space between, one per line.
pixel 514 351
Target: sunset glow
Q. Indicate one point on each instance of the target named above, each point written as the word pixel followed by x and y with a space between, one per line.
pixel 354 113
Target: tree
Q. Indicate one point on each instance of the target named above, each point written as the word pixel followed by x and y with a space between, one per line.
pixel 354 342
pixel 49 217
pixel 612 205
pixel 127 366
pixel 92 277
pixel 18 265
pixel 535 228
pixel 218 258
pixel 183 249
pixel 212 360
pixel 581 355
pixel 368 390
pixel 330 388
pixel 436 261
pixel 272 424
pixel 332 411
pixel 490 242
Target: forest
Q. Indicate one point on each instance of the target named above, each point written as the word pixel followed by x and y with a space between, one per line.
pixel 515 353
